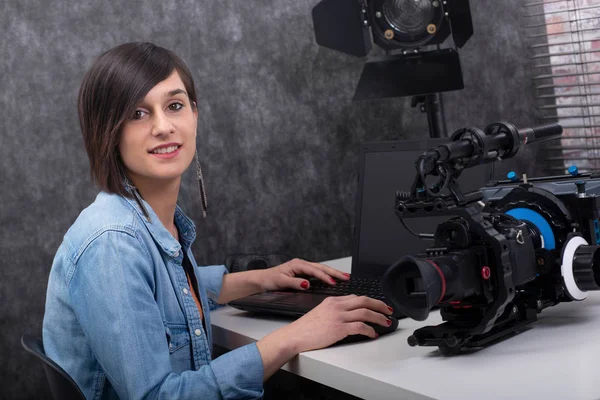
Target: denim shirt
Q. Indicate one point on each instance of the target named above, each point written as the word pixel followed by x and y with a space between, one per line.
pixel 120 318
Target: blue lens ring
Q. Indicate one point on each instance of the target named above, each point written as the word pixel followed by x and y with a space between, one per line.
pixel 538 221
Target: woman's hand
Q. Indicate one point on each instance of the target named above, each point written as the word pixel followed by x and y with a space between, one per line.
pixel 337 317
pixel 329 322
pixel 285 276
pixel 291 275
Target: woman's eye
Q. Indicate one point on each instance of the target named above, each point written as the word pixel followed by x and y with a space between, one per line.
pixel 175 106
pixel 138 114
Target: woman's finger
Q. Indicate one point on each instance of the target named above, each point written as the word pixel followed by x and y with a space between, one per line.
pixel 331 271
pixel 310 270
pixel 293 283
pixel 366 315
pixel 356 302
pixel 360 328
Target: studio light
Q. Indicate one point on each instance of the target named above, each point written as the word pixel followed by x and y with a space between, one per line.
pixel 410 31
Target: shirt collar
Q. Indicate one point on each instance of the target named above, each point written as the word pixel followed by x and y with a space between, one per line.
pixel 163 238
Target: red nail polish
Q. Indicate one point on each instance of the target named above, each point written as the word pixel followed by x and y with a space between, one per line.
pixel 376 335
pixel 346 274
pixel 391 309
pixel 333 280
pixel 389 322
pixel 304 284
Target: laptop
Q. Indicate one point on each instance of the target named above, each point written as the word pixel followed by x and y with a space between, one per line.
pixel 379 239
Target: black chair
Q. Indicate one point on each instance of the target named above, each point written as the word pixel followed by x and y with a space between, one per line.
pixel 62 386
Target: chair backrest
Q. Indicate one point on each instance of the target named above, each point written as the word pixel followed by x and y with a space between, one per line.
pixel 61 384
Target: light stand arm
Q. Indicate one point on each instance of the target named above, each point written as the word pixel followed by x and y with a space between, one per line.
pixel 433 105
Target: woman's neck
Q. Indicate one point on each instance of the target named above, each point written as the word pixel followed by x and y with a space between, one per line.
pixel 162 197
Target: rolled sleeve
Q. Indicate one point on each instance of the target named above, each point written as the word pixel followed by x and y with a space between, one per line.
pixel 240 368
pixel 211 277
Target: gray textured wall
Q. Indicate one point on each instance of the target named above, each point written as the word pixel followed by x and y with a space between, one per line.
pixel 279 135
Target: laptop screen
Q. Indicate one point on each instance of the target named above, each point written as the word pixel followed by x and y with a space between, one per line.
pixel 379 237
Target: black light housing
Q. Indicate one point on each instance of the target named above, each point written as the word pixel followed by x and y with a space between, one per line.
pixel 404 29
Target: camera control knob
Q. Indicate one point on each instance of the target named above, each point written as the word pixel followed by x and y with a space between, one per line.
pixel 585 266
pixel 573 170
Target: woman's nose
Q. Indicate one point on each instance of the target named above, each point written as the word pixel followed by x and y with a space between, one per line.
pixel 162 125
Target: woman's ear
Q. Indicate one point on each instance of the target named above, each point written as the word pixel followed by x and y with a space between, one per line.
pixel 195 109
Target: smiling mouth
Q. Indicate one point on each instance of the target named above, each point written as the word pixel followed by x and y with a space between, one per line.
pixel 165 150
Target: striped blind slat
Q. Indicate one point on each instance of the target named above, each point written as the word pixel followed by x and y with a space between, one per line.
pixel 564 42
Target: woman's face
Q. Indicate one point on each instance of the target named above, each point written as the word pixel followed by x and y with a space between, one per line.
pixel 158 141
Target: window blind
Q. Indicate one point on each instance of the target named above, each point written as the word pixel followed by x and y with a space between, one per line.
pixel 564 41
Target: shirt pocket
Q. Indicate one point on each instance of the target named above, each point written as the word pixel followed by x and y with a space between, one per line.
pixel 180 352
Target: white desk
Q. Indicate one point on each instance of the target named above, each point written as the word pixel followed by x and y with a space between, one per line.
pixel 558 358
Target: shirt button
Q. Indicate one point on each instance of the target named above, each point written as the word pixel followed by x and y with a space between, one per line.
pixel 176 254
pixel 198 332
pixel 185 291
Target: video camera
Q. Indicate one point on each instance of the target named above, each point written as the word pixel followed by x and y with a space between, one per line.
pixel 507 251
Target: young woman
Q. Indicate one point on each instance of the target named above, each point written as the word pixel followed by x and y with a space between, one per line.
pixel 128 310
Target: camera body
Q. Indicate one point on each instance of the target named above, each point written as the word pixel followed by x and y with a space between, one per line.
pixel 506 252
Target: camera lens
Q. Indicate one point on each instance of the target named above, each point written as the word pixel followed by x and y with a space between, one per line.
pixel 409 16
pixel 586 267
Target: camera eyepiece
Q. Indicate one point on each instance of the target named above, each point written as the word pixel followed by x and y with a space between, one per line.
pixel 415 285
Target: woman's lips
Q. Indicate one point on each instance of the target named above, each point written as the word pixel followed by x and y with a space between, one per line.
pixel 167 155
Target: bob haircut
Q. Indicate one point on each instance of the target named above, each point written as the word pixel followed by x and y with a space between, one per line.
pixel 111 89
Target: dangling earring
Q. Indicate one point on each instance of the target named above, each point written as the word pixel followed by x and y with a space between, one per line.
pixel 200 179
pixel 136 194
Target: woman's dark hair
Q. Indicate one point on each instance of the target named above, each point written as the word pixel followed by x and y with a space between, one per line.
pixel 111 89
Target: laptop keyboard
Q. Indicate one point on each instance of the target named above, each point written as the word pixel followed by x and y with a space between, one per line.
pixel 370 287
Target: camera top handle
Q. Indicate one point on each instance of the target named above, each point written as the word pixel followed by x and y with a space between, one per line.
pixel 468 147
